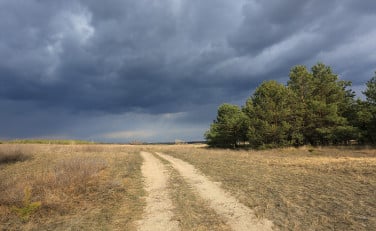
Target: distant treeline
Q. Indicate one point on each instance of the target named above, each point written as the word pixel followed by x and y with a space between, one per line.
pixel 46 141
pixel 314 108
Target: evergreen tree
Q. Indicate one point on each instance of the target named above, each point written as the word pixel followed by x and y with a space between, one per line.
pixel 323 101
pixel 301 83
pixel 370 92
pixel 229 129
pixel 314 108
pixel 367 116
pixel 271 116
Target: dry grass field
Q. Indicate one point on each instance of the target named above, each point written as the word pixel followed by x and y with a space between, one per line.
pixel 297 189
pixel 77 187
pixel 91 187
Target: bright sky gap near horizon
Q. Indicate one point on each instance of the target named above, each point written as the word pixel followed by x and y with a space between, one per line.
pixel 156 71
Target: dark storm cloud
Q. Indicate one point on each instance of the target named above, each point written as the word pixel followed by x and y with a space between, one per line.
pixel 114 57
pixel 74 58
pixel 296 32
pixel 268 23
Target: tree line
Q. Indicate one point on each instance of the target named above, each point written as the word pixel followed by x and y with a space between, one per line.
pixel 313 108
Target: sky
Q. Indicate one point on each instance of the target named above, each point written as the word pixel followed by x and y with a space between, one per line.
pixel 157 70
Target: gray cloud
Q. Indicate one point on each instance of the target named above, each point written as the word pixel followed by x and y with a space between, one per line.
pixel 75 61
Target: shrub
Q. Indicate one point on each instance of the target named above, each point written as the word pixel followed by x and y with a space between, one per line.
pixel 13 155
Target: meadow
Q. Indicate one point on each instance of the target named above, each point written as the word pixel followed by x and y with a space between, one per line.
pixel 86 186
pixel 297 189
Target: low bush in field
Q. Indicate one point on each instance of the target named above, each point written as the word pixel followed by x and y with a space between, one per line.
pixel 13 155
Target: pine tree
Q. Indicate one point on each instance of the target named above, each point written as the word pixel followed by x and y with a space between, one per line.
pixel 323 103
pixel 229 129
pixel 271 116
pixel 367 116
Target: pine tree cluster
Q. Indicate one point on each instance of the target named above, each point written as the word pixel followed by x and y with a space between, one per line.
pixel 314 108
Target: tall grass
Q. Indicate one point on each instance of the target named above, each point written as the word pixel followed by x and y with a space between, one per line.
pixel 75 173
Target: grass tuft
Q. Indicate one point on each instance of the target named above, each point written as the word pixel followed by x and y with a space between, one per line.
pixel 75 173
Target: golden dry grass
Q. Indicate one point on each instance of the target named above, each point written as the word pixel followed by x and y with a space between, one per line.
pixel 298 189
pixel 86 187
pixel 80 187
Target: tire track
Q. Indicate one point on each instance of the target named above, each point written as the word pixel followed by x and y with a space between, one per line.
pixel 158 213
pixel 238 216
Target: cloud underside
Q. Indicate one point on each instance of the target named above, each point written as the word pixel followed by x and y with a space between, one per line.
pixel 85 58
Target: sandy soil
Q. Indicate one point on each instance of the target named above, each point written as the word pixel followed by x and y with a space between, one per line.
pixel 158 214
pixel 237 215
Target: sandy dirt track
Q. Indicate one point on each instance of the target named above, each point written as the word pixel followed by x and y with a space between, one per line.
pixel 158 214
pixel 238 216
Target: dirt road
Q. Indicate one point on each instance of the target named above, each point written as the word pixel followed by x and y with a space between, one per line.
pixel 237 215
pixel 159 207
pixel 158 214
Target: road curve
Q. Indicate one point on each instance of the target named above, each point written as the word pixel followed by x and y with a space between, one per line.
pixel 238 216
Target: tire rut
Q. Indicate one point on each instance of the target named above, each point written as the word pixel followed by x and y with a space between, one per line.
pixel 158 213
